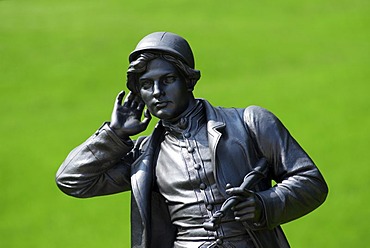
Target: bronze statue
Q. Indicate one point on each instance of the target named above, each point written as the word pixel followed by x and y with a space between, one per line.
pixel 203 178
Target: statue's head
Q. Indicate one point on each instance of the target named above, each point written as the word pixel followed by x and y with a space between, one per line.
pixel 168 46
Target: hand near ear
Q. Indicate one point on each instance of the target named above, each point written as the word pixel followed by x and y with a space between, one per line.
pixel 126 118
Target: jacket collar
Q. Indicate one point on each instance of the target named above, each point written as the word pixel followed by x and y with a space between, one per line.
pixel 215 124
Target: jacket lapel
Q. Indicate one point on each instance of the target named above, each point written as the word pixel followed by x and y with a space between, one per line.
pixel 215 124
pixel 142 180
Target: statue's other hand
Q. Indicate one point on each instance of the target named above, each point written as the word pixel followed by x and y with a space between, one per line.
pixel 249 207
pixel 126 118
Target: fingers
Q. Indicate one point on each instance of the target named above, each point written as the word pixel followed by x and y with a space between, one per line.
pixel 147 115
pixel 119 98
pixel 245 217
pixel 134 102
pixel 140 106
pixel 147 118
pixel 249 209
pixel 250 201
pixel 245 210
pixel 238 191
pixel 131 101
pixel 128 100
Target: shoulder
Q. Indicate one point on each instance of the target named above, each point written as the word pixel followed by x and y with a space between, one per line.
pixel 221 113
pixel 253 115
pixel 256 113
pixel 260 119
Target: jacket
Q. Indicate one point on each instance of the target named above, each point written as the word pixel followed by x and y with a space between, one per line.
pixel 238 138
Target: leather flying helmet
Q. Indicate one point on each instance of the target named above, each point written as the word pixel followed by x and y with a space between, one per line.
pixel 166 42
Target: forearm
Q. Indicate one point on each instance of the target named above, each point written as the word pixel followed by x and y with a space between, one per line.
pixel 95 167
pixel 300 186
pixel 293 197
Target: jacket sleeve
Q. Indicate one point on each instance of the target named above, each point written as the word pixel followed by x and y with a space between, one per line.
pixel 300 187
pixel 99 166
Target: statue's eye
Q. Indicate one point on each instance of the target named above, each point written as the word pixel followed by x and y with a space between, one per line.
pixel 169 79
pixel 146 84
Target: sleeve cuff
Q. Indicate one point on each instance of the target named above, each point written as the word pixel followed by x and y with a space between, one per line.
pixel 105 127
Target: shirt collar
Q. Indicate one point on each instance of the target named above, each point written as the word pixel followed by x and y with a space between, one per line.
pixel 190 122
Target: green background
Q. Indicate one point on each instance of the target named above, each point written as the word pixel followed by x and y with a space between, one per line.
pixel 63 62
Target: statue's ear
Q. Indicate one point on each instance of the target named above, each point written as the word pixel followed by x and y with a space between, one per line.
pixel 190 84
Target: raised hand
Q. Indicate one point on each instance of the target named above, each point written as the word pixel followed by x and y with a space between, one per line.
pixel 126 119
pixel 249 207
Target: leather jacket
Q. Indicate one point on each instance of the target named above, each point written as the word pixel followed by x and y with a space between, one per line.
pixel 238 138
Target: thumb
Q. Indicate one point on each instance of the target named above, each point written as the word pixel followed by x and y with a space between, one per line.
pixel 147 117
pixel 238 191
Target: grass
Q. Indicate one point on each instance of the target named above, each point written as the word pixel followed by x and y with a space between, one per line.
pixel 63 62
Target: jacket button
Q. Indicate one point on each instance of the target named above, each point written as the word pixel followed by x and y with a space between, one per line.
pixel 202 186
pixel 209 207
pixel 187 135
pixel 228 186
pixel 219 241
pixel 197 166
pixel 190 149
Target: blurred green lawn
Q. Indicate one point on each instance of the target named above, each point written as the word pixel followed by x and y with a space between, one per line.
pixel 63 62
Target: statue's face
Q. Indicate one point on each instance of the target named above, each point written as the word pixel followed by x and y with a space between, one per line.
pixel 164 91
